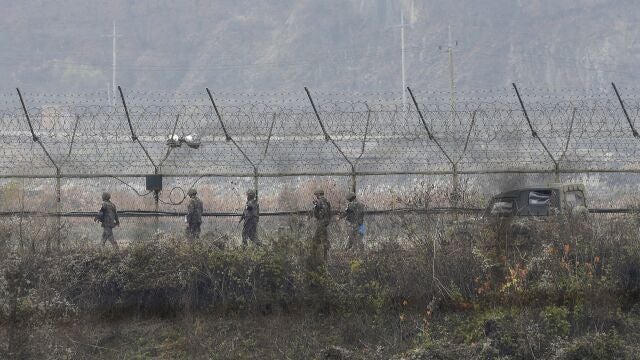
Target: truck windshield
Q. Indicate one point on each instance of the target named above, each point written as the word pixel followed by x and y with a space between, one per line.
pixel 540 198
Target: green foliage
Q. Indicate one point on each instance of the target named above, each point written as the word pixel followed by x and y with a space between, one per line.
pixel 601 346
pixel 503 333
pixel 476 329
pixel 555 320
pixel 166 276
pixel 488 303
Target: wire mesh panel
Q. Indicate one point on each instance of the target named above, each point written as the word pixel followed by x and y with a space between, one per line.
pixel 406 161
pixel 194 135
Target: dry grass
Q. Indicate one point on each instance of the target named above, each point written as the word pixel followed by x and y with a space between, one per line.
pixel 495 293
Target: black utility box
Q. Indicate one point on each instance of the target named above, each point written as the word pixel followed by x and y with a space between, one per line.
pixel 154 182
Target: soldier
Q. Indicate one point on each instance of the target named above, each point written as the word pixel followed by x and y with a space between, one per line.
pixel 322 213
pixel 194 215
pixel 354 213
pixel 108 217
pixel 250 215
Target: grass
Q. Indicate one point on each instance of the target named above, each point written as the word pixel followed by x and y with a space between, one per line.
pixel 418 292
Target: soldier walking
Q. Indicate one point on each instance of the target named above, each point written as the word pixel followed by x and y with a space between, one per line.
pixel 354 213
pixel 108 217
pixel 322 213
pixel 194 215
pixel 250 216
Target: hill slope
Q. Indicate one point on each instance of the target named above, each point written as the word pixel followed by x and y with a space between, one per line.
pixel 346 45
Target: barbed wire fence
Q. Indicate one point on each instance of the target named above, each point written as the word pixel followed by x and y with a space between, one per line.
pixel 90 141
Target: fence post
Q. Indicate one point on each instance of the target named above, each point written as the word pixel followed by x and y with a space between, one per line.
pixel 134 137
pixel 454 164
pixel 228 138
pixel 215 107
pixel 457 196
pixel 364 144
pixel 566 145
pixel 21 216
pixel 534 133
pixel 33 134
pixel 353 180
pixel 255 180
pixel 624 110
pixel 156 207
pixel 73 135
pixel 327 137
pixel 256 176
pixel 58 209
pixel 315 111
pixel 44 149
pixel 455 193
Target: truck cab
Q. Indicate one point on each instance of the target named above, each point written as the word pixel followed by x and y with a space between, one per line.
pixel 524 212
pixel 548 200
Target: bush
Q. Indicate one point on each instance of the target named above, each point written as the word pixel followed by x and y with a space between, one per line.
pixel 555 320
pixel 490 299
pixel 599 346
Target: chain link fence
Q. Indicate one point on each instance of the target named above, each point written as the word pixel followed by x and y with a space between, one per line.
pixel 59 152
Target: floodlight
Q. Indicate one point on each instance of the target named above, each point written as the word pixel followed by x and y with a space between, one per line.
pixel 192 141
pixel 174 141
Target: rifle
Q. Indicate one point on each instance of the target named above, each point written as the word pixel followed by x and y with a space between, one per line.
pixel 244 214
pixel 99 217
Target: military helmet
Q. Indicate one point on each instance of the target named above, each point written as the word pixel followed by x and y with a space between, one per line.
pixel 318 192
pixel 351 196
pixel 251 193
pixel 192 192
pixel 106 196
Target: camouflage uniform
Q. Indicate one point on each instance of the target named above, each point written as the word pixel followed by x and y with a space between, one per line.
pixel 354 213
pixel 194 215
pixel 108 217
pixel 251 215
pixel 322 213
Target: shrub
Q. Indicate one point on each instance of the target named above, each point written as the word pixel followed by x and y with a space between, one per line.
pixel 599 346
pixel 555 320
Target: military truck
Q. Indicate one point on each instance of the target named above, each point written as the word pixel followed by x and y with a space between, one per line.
pixel 549 200
pixel 524 212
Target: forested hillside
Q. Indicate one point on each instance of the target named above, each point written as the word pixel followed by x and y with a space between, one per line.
pixel 345 45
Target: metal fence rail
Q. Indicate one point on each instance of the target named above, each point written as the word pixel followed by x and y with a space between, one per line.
pixel 514 131
pixel 153 214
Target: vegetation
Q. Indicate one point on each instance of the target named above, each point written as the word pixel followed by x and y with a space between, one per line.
pixel 571 296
